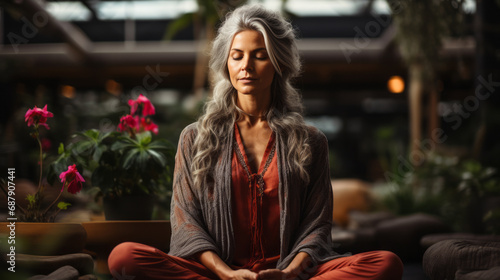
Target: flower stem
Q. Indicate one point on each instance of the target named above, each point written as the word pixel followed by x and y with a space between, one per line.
pixel 60 193
pixel 41 157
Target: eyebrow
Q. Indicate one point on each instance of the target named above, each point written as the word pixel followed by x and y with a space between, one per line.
pixel 256 50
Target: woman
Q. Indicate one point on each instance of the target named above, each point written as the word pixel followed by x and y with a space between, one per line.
pixel 251 196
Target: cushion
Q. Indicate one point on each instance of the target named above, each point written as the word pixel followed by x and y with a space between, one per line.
pixel 359 220
pixel 489 274
pixel 443 259
pixel 431 239
pixel 350 195
pixel 64 273
pixel 402 235
pixel 44 265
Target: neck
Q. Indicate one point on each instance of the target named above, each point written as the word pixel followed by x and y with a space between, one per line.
pixel 247 115
pixel 253 108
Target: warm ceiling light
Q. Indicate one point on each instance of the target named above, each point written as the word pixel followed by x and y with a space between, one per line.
pixel 396 84
pixel 68 91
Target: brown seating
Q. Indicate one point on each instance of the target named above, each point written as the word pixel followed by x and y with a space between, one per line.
pixel 462 259
pixel 492 273
pixel 63 273
pixel 431 239
pixel 82 263
pixel 54 267
pixel 350 195
pixel 402 235
pixel 384 231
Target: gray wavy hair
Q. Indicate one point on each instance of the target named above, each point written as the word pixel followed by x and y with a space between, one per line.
pixel 285 115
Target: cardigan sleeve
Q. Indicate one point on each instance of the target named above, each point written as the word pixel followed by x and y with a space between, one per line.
pixel 189 231
pixel 313 234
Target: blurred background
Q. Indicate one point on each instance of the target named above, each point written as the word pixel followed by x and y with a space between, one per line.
pixel 405 91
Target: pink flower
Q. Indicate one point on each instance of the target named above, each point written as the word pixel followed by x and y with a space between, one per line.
pixel 37 116
pixel 148 125
pixel 73 178
pixel 147 107
pixel 127 122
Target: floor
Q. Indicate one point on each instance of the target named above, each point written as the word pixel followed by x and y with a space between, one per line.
pixel 414 271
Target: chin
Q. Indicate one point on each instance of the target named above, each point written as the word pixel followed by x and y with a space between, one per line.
pixel 246 91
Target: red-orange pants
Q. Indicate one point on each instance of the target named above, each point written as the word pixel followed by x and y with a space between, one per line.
pixel 140 261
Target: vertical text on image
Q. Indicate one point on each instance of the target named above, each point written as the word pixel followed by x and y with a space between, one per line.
pixel 11 206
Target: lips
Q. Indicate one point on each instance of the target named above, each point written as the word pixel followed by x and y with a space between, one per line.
pixel 247 80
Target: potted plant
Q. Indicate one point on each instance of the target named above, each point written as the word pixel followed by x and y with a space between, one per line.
pixel 33 224
pixel 126 166
pixel 461 191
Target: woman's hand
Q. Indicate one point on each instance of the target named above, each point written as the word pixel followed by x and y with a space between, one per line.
pixel 274 274
pixel 242 274
pixel 213 262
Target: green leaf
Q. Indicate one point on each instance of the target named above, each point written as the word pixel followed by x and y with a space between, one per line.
pixel 60 150
pixel 125 144
pixel 92 133
pixel 109 138
pixel 98 153
pixel 130 158
pixel 159 158
pixel 63 205
pixel 142 160
pixel 31 199
pixel 83 148
pixel 161 144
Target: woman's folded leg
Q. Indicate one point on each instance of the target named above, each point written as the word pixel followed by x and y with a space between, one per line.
pixel 130 259
pixel 374 265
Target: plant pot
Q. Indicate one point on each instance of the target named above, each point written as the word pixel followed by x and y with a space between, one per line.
pixel 47 239
pixel 103 236
pixel 129 207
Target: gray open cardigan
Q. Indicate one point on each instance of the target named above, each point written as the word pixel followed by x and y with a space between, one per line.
pixel 201 217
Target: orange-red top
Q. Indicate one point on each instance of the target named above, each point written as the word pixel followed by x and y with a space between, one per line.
pixel 256 209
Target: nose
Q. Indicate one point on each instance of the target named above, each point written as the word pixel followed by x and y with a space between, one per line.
pixel 246 64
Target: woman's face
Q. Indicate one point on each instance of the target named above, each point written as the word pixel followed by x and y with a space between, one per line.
pixel 249 66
